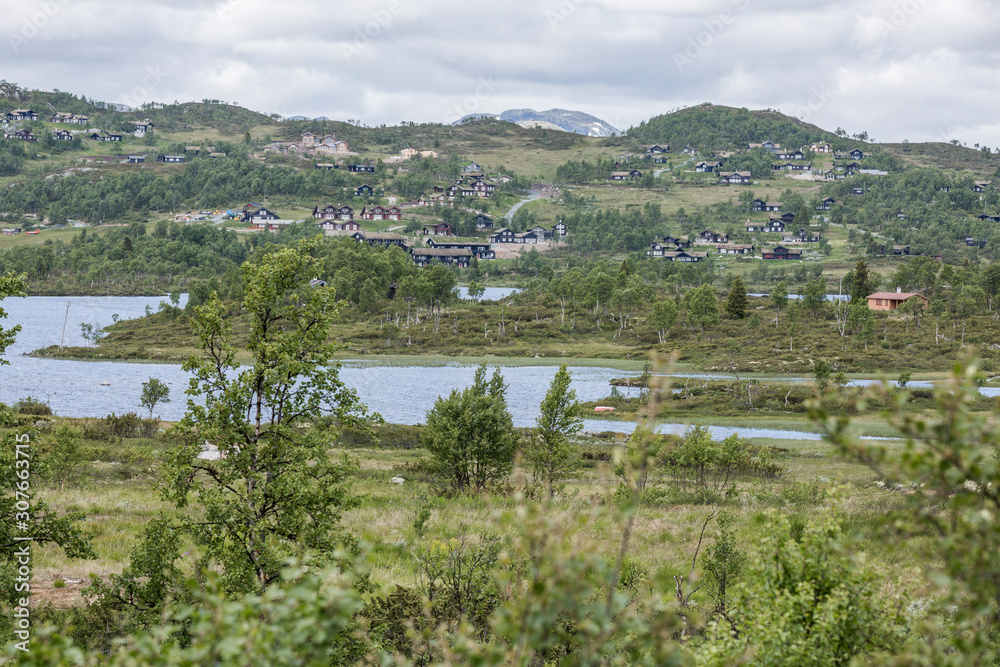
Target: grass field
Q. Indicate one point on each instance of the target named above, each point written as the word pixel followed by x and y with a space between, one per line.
pixel 119 496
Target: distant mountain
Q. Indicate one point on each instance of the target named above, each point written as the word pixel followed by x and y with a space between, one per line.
pixel 576 122
pixel 298 118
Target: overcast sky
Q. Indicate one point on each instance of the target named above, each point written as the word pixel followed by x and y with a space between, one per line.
pixel 923 70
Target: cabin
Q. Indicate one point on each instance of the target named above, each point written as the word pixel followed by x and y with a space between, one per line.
pixel 560 229
pixel 142 127
pixel 735 178
pixel 820 148
pixel 437 229
pixel 857 191
pixel 825 204
pixel 973 242
pixel 483 221
pixel 331 212
pixel 792 166
pixel 364 191
pixel 772 226
pixel 23 135
pixel 688 150
pixel 479 249
pixel 980 186
pixel 460 257
pixel 708 237
pixel 660 159
pixel 677 241
pixel 471 167
pixel 172 159
pixel 331 226
pixel 760 205
pixel 22 114
pixel 104 136
pixel 801 236
pixel 781 252
pixel 735 248
pixel 254 214
pixel 706 167
pixel 789 155
pixel 361 169
pixel 529 238
pixel 858 154
pixel 656 149
pixel 657 249
pixel 62 135
pixel 325 166
pixel 787 217
pixel 684 256
pixel 625 175
pixel 893 300
pixel 503 235
pixel 136 159
pixel 985 217
pixel 384 239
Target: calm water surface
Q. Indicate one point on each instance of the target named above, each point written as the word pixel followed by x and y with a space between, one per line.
pixel 401 394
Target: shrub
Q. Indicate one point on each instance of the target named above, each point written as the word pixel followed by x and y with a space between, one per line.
pixel 32 406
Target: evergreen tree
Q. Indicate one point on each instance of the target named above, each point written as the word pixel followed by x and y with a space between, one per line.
pixel 862 284
pixel 736 302
pixel 549 451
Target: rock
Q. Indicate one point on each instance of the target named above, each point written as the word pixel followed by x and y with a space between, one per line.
pixel 397 480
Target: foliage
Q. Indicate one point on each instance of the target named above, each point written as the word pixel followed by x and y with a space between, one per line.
pixel 37 520
pixel 806 600
pixel 702 306
pixel 736 302
pixel 549 450
pixel 154 392
pixel 470 436
pixel 277 491
pixel 950 470
pixel 663 317
pixel 307 618
pixel 10 285
pixel 723 564
pixel 708 468
pixel 458 579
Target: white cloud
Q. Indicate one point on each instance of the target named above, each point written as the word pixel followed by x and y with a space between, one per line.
pixel 915 69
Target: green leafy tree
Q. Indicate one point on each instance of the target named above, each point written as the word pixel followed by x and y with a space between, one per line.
pixel 703 306
pixel 814 296
pixel 470 435
pixel 950 467
pixel 549 450
pixel 779 298
pixel 276 491
pixel 663 317
pixel 10 285
pixel 154 392
pixel 736 302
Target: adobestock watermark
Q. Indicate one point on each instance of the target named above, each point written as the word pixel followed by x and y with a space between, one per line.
pixel 472 103
pixel 561 13
pixel 21 531
pixel 140 94
pixel 818 97
pixel 901 14
pixel 381 20
pixel 32 25
pixel 702 41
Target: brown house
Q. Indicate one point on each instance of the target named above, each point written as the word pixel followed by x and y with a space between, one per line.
pixel 892 300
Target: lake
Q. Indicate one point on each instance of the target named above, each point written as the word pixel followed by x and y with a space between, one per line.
pixel 401 394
